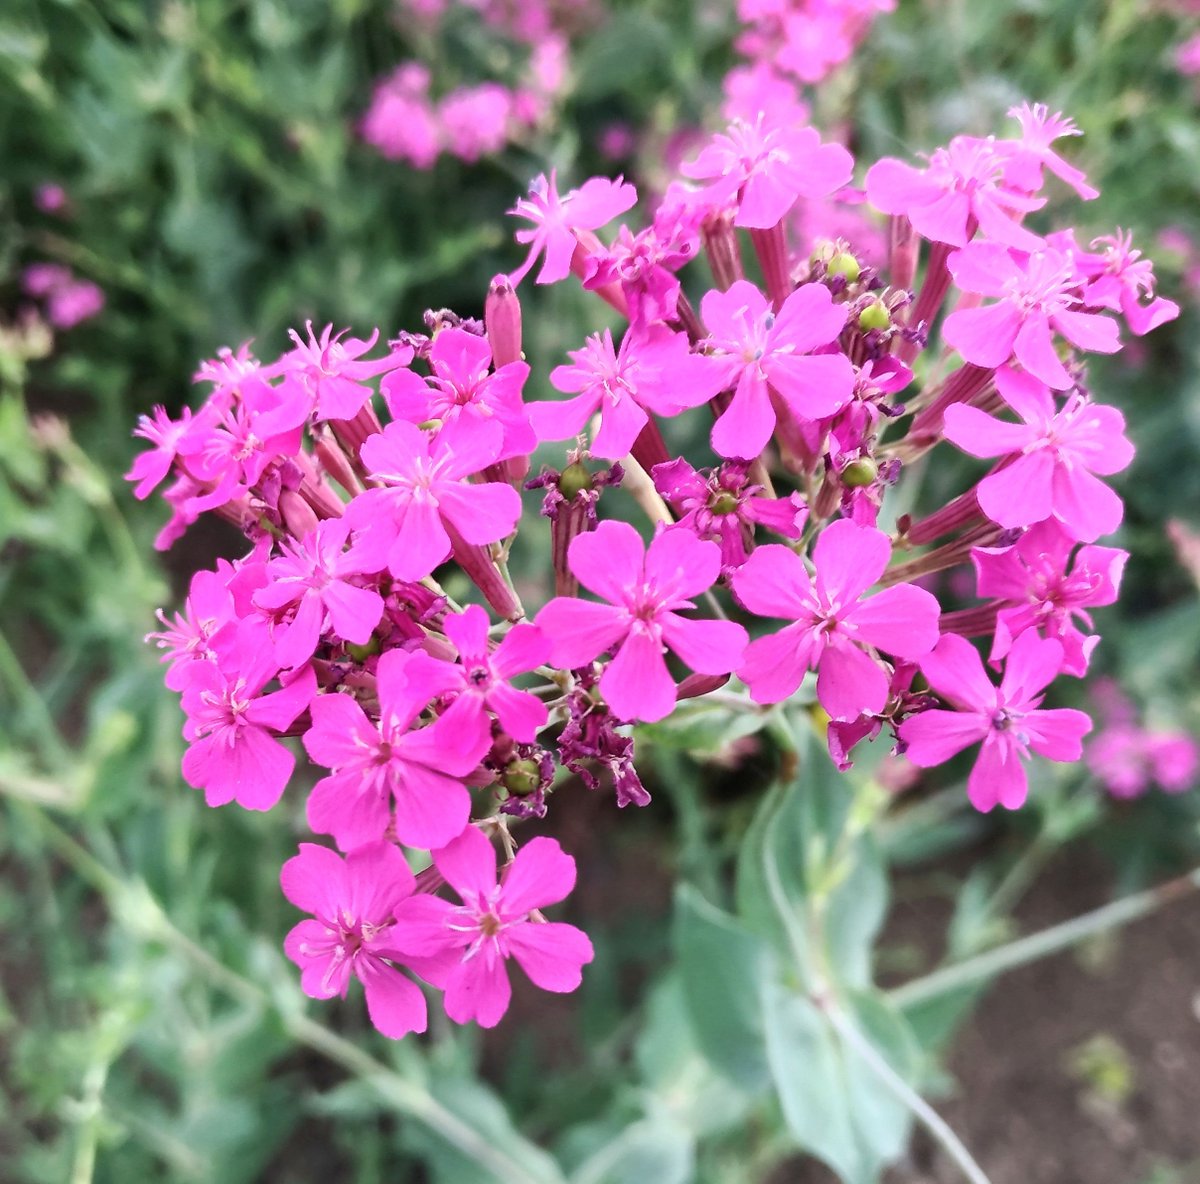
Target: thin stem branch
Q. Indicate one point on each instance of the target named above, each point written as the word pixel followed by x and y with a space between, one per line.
pixel 924 1113
pixel 972 971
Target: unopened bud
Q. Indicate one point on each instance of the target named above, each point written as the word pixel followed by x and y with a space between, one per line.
pixel 297 514
pixel 875 316
pixel 521 777
pixel 844 264
pixel 502 319
pixel 859 473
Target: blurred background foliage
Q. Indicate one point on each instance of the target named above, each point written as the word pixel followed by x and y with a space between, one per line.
pixel 217 192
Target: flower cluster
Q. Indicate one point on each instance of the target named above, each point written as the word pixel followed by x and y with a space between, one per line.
pixel 406 122
pixel 66 299
pixel 365 474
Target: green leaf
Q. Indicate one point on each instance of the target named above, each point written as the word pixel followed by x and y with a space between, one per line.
pixel 721 966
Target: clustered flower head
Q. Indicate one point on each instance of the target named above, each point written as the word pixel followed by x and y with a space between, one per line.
pixel 406 121
pixel 366 472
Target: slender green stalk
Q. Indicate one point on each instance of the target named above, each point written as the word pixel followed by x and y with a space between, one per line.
pixel 973 971
pixel 924 1113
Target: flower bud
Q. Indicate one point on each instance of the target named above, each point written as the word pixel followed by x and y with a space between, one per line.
pixel 521 777
pixel 875 316
pixel 860 472
pixel 502 317
pixel 844 264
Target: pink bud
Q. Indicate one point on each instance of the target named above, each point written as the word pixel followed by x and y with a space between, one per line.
pixel 502 318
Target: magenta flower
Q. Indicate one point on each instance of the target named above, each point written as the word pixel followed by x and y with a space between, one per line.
pixel 755 351
pixel 333 372
pixel 234 755
pixel 353 901
pixel 312 574
pixel 1039 129
pixel 493 923
pixel 169 437
pixel 831 621
pixel 963 188
pixel 206 630
pixel 765 169
pixel 421 770
pixel 1055 455
pixel 725 507
pixel 1039 592
pixel 1119 278
pixel 1037 295
pixel 654 371
pixel 645 588
pixel 1126 758
pixel 485 672
pixel 463 387
pixel 555 219
pixel 426 489
pixel 1008 718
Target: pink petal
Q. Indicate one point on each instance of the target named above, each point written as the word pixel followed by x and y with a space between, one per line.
pixel 479 990
pixel 955 671
pixel 980 434
pixel 354 612
pixel 808 319
pixel 562 419
pixel 377 879
pixel 395 1004
pixel 340 731
pixel 541 874
pixel 579 630
pixel 422 927
pixel 773 583
pixel 1088 331
pixel 421 542
pixel 297 642
pixel 524 648
pixel 902 620
pixel 481 513
pixel 746 424
pixel 708 647
pixel 520 713
pixel 314 880
pixel 849 683
pixel 431 808
pixel 253 772
pixel 850 558
pixel 353 813
pixel 1033 663
pixel 986 335
pixel 775 666
pixel 636 683
pixel 1084 504
pixel 551 954
pixel 998 777
pixel 1034 349
pixel 468 631
pixel 678 560
pixel 469 864
pixel 319 979
pixel 813 386
pixel 621 422
pixel 933 737
pixel 1020 493
pixel 1057 734
pixel 608 560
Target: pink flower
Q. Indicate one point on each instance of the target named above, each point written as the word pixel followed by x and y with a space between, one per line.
pixel 353 901
pixel 205 631
pixel 463 387
pixel 400 121
pixel 1038 591
pixel 169 437
pixel 1008 718
pixel 493 923
pixel 654 371
pixel 756 352
pixel 420 769
pixel 555 219
pixel 1127 758
pixel 1037 295
pixel 233 754
pixel 1054 456
pixel 475 119
pixel 1118 280
pixel 1039 129
pixel 485 672
pixel 963 188
pixel 831 621
pixel 333 371
pixel 765 168
pixel 645 589
pixel 312 574
pixel 425 489
pixel 725 507
pixel 78 301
